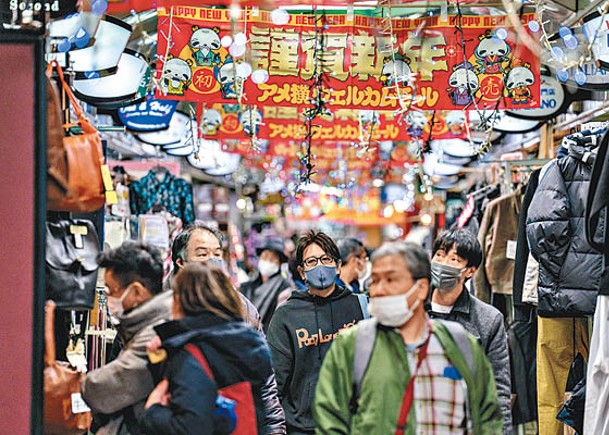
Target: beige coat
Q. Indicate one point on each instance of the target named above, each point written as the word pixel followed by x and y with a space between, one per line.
pixel 499 226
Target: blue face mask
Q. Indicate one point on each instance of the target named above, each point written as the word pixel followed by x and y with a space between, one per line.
pixel 321 277
pixel 216 261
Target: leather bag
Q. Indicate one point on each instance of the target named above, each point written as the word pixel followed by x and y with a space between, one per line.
pixel 60 382
pixel 74 171
pixel 72 247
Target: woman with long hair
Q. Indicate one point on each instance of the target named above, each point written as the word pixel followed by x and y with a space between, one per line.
pixel 209 348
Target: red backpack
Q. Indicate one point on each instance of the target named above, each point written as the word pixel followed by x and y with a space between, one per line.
pixel 240 393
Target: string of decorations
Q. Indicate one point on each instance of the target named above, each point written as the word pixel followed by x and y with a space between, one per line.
pixel 318 90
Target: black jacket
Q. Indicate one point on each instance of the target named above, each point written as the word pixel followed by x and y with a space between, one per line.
pixel 299 336
pixel 596 210
pixel 522 311
pixel 569 269
pixel 264 295
pixel 235 353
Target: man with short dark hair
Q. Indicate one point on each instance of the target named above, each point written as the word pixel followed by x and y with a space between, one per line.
pixel 200 243
pixel 353 257
pixel 400 373
pixel 303 328
pixel 117 392
pixel 456 257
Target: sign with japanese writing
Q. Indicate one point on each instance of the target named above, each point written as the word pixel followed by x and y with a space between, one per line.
pixel 358 69
pixel 229 121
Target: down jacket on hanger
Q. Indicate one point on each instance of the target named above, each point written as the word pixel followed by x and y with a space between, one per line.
pixel 569 269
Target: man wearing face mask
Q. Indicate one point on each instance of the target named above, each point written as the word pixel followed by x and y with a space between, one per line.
pixel 353 258
pixel 456 257
pixel 303 328
pixel 400 372
pixel 263 291
pixel 200 243
pixel 117 392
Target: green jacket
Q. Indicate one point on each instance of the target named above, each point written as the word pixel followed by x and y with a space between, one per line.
pixel 384 384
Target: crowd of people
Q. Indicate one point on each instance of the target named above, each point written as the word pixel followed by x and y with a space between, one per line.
pixel 352 342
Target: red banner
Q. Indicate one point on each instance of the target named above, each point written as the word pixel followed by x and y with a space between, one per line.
pixel 229 121
pixel 359 72
pixel 126 6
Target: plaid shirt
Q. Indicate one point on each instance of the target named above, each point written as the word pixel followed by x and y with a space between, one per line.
pixel 439 401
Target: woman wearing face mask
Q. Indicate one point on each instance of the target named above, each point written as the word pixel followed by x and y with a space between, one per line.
pixel 303 328
pixel 207 327
pixel 456 257
pixel 263 291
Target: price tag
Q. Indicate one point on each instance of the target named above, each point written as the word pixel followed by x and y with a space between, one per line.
pixel 78 404
pixel 79 229
pixel 510 252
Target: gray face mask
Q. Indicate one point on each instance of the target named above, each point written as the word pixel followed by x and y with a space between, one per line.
pixel 445 278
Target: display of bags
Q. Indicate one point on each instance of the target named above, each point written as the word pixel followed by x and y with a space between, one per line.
pixel 61 389
pixel 74 167
pixel 72 247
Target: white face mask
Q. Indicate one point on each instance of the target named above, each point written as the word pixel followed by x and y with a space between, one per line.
pixel 115 306
pixel 365 272
pixel 267 268
pixel 393 311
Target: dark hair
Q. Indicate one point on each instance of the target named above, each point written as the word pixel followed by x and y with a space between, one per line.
pixel 415 257
pixel 464 243
pixel 204 287
pixel 293 268
pixel 135 261
pixel 324 241
pixel 180 242
pixel 348 247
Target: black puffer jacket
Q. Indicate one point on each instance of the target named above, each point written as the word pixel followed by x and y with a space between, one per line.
pixel 569 269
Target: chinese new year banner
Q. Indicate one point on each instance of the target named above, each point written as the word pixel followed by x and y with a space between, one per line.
pixel 229 121
pixel 359 71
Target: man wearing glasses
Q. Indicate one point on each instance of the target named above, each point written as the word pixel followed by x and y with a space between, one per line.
pixel 118 391
pixel 302 329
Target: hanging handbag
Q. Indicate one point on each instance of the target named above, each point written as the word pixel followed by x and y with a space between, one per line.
pixel 61 388
pixel 74 172
pixel 72 247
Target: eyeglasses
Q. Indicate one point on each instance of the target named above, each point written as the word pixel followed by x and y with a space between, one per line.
pixel 311 262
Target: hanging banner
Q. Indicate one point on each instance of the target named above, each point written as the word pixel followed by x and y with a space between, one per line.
pixel 357 69
pixel 229 121
pixel 126 6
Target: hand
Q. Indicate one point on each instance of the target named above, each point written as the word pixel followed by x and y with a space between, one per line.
pixel 160 395
pixel 154 344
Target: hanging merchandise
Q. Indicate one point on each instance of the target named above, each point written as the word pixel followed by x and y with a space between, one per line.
pixel 65 412
pixel 75 171
pixel 172 135
pixel 154 230
pixel 159 190
pixel 110 40
pixel 114 88
pixel 594 28
pixel 72 247
pixel 194 65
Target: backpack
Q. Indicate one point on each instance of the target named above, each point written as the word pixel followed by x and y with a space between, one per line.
pixel 235 409
pixel 364 343
pixel 363 305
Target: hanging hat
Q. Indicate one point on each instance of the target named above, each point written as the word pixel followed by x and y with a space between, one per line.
pixel 275 246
